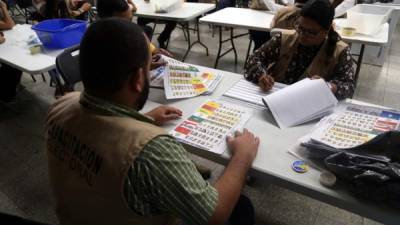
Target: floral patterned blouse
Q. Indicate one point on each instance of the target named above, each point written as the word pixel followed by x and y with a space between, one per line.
pixel 343 74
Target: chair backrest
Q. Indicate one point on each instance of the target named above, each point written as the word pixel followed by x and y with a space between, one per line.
pixel 67 64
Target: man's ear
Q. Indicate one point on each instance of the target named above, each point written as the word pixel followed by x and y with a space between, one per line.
pixel 137 81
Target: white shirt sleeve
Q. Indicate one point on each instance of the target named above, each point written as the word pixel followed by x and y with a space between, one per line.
pixel 341 9
pixel 273 6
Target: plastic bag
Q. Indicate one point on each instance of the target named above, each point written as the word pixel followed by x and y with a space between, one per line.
pixel 367 178
pixel 371 170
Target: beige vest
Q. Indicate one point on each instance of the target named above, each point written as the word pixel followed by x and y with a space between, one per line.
pixel 322 65
pixel 89 155
pixel 285 17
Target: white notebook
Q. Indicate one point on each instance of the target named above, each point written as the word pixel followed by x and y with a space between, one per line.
pixel 301 102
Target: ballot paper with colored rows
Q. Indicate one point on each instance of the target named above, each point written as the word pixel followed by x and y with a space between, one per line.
pixel 355 125
pixel 209 125
pixel 181 80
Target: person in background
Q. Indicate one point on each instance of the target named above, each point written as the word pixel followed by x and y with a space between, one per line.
pixel 40 6
pixel 78 9
pixel 9 76
pixel 260 37
pixel 122 9
pixel 287 16
pixel 313 49
pixel 165 34
pixel 130 171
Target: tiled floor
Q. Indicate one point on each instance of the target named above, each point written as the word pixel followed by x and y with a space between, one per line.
pixel 23 168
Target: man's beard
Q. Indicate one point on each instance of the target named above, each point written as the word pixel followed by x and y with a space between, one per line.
pixel 143 95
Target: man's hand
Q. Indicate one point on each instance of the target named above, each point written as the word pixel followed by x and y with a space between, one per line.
pixel 266 82
pixel 86 6
pixel 156 62
pixel 163 114
pixel 161 51
pixel 2 39
pixel 243 144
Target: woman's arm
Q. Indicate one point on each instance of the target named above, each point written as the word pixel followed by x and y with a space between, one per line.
pixel 258 63
pixel 343 78
pixel 6 22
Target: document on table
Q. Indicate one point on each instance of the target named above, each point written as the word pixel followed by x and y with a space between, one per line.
pixel 247 91
pixel 355 125
pixel 209 125
pixel 301 102
pixel 181 80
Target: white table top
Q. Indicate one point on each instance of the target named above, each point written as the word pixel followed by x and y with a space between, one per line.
pixel 273 162
pixel 380 38
pixel 241 18
pixel 187 12
pixel 15 52
pixel 261 20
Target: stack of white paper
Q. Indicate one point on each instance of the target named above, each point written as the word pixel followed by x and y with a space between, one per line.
pixel 301 102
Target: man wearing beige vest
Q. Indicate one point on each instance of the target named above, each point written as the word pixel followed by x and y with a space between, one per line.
pixel 110 164
pixel 313 50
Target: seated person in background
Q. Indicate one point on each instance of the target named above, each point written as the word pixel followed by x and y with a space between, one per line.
pixel 165 34
pixel 287 16
pixel 40 6
pixel 122 9
pixel 9 77
pixel 313 50
pixel 78 9
pixel 260 37
pixel 130 171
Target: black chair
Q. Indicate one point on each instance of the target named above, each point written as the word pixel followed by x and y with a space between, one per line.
pixel 27 8
pixel 67 64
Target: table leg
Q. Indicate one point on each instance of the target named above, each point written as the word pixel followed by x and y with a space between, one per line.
pixel 219 47
pixel 233 46
pixel 248 51
pixel 221 42
pixel 359 62
pixel 198 41
pixel 187 31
